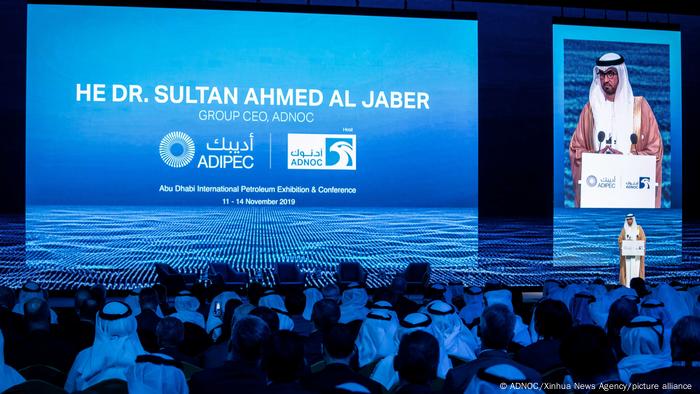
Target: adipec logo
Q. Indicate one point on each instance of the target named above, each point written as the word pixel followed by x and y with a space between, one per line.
pixel 177 149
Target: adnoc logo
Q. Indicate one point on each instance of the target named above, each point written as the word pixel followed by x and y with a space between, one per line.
pixel 322 152
pixel 177 149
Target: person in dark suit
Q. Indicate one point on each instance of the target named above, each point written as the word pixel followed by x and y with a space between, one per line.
pixel 685 350
pixel 171 334
pixel 10 322
pixel 552 322
pixel 284 363
pixel 417 362
pixel 242 373
pixel 148 319
pixel 338 350
pixel 325 315
pixel 496 327
pixel 589 356
pixel 41 345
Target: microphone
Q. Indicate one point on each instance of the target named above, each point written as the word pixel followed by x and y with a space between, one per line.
pixel 601 137
pixel 633 139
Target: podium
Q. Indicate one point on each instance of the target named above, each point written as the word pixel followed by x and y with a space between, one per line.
pixel 618 181
pixel 633 248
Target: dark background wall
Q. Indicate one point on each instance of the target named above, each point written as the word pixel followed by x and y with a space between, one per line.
pixel 515 99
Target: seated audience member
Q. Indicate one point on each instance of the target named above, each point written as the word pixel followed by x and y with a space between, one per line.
pixel 312 295
pixel 622 311
pixel 675 303
pixel 354 304
pixel 27 292
pixel 284 363
pixel 402 304
pixel 451 332
pixel 640 287
pixel 331 291
pixel 491 380
pixel 274 301
pixel 242 373
pixel 148 319
pixel 216 355
pixel 186 306
pixel 115 349
pixel 642 341
pixel 156 373
pixel 68 320
pixel 496 327
pixel 170 334
pixel 657 310
pixel 326 314
pixel 587 353
pixel 10 322
pixel 338 352
pixel 217 310
pixel 270 317
pixel 376 338
pixel 417 362
pixel 295 302
pixel 473 306
pixel 505 297
pixel 384 372
pixel 685 350
pixel 552 323
pixel 41 344
pixel 8 376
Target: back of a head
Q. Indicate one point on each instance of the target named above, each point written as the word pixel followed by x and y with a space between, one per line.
pixel 496 327
pixel 248 339
pixel 88 309
pixel 295 302
pixel 552 319
pixel 255 291
pixel 622 311
pixel 37 314
pixel 339 342
pixel 148 299
pixel 269 316
pixel 325 314
pixel 399 284
pixel 81 295
pixel 417 359
pixel 99 294
pixel 284 357
pixel 685 339
pixel 170 332
pixel 588 354
pixel 7 298
pixel 331 292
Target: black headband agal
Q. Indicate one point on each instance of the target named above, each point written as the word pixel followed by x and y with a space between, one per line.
pixel 115 316
pixel 376 316
pixel 433 311
pixel 424 323
pixel 606 63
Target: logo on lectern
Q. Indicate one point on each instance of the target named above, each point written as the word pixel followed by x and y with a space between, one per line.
pixel 591 181
pixel 644 182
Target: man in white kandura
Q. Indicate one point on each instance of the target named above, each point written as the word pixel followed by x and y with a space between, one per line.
pixel 631 266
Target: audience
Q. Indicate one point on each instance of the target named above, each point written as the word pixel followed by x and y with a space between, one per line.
pixel 685 351
pixel 307 341
pixel 242 372
pixel 325 315
pixel 589 356
pixel 156 373
pixel 40 344
pixel 338 351
pixel 147 320
pixel 114 350
pixel 284 363
pixel 642 340
pixel 496 327
pixel 417 362
pixel 552 323
pixel 8 376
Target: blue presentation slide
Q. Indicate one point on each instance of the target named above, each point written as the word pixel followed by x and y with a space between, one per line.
pixel 247 137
